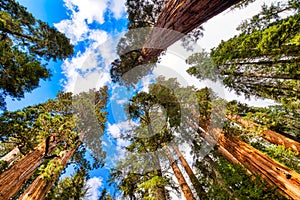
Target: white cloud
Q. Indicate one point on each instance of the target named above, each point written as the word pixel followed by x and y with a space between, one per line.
pixel 116 130
pixel 223 26
pixel 90 69
pixel 74 29
pixel 82 13
pixel 93 184
pixel 118 8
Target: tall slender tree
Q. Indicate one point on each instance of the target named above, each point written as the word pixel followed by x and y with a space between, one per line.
pixel 262 61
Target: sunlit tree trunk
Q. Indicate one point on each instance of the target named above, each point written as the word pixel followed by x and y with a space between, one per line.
pixel 258 163
pixel 12 180
pixel 39 188
pixel 199 190
pixel 12 156
pixel 269 135
pixel 181 16
pixel 180 178
pixel 237 151
pixel 287 180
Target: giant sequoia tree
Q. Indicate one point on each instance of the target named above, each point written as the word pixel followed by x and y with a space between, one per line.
pixel 170 20
pixel 25 43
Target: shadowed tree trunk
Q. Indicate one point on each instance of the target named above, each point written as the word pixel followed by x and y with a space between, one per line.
pixel 159 191
pixel 269 135
pixel 39 188
pixel 216 176
pixel 181 180
pixel 12 180
pixel 199 190
pixel 180 16
pixel 12 156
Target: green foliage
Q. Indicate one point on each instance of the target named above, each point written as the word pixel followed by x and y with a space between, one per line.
pixel 89 109
pixel 230 181
pixel 51 171
pixel 282 155
pixel 262 61
pixel 25 42
pixel 203 66
pixel 3 165
pixel 277 118
pixel 70 188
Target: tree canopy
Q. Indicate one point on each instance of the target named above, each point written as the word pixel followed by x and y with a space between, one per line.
pixel 26 44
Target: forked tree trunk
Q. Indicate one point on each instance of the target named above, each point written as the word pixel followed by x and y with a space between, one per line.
pixel 12 180
pixel 39 188
pixel 181 16
pixel 269 135
pixel 12 156
pixel 180 178
pixel 199 190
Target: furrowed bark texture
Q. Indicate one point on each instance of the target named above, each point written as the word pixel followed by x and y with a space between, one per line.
pixel 181 16
pixel 12 180
pixel 287 180
pixel 269 135
pixel 39 188
pixel 180 178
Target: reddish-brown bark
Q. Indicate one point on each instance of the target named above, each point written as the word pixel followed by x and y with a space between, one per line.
pixel 199 190
pixel 12 156
pixel 178 18
pixel 269 135
pixel 39 188
pixel 12 180
pixel 256 162
pixel 180 178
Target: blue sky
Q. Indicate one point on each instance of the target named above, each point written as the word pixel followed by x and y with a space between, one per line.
pixel 94 27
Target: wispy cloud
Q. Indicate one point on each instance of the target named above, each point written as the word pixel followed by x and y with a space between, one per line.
pixel 95 47
pixel 94 185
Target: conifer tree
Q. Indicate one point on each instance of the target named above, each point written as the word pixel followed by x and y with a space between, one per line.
pixel 26 43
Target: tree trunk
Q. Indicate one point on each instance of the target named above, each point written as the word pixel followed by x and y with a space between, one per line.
pixel 39 188
pixel 199 190
pixel 12 180
pixel 11 157
pixel 159 191
pixel 256 162
pixel 274 173
pixel 181 180
pixel 180 17
pixel 269 135
pixel 216 176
